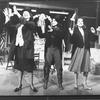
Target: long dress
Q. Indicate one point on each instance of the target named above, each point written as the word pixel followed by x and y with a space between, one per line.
pixel 23 55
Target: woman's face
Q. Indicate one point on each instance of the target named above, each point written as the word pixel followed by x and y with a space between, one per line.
pixel 80 22
pixel 54 22
pixel 26 15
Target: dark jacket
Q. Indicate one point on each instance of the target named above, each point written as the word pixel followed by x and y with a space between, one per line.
pixel 57 41
pixel 27 31
pixel 77 40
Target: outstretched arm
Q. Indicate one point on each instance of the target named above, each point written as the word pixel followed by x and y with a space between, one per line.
pixel 16 12
pixel 72 19
pixel 71 31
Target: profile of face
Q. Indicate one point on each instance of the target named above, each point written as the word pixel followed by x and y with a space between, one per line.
pixel 26 15
pixel 80 22
pixel 54 22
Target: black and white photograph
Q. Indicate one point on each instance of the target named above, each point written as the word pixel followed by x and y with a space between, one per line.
pixel 50 48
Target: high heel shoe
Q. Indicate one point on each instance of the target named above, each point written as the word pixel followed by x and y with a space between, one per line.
pixel 45 85
pixel 86 87
pixel 76 87
pixel 34 89
pixel 61 87
pixel 18 88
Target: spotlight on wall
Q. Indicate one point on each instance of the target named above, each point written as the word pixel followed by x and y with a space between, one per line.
pixel 18 4
pixel 57 12
pixel 33 10
pixel 19 9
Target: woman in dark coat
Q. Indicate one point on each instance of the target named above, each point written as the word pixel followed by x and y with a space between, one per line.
pixel 22 47
pixel 80 38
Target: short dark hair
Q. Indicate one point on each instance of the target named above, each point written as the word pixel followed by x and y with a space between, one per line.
pixel 29 10
pixel 79 17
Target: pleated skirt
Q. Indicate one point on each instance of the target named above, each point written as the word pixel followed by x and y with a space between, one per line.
pixel 80 61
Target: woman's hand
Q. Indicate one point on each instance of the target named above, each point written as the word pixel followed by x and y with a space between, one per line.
pixel 98 29
pixel 15 9
pixel 73 17
pixel 8 13
pixel 71 31
pixel 50 28
pixel 92 30
pixel 16 12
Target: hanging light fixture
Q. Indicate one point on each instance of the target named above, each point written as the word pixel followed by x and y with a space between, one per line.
pixel 19 9
pixel 33 10
pixel 57 12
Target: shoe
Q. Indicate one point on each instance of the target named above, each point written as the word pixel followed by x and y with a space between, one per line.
pixel 86 87
pixel 45 85
pixel 52 71
pixel 18 88
pixel 75 87
pixel 61 87
pixel 34 89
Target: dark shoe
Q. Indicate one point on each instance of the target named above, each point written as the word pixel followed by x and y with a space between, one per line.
pixel 35 90
pixel 18 88
pixel 52 71
pixel 86 87
pixel 45 86
pixel 61 87
pixel 75 87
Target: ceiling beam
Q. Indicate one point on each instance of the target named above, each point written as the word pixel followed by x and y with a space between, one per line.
pixel 56 0
pixel 32 4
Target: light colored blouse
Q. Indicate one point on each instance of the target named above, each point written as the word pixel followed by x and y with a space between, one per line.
pixel 19 37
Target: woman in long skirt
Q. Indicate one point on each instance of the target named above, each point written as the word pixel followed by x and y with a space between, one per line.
pixel 80 38
pixel 22 46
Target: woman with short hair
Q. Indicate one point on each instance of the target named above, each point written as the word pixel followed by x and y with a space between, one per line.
pixel 22 46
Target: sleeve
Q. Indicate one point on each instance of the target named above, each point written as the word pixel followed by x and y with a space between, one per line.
pixel 9 26
pixel 73 37
pixel 29 24
pixel 39 31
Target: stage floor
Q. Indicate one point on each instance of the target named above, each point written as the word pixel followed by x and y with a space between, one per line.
pixel 9 81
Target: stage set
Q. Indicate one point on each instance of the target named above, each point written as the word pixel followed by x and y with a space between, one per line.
pixel 9 76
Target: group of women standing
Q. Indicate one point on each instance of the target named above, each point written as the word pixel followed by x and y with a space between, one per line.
pixel 22 47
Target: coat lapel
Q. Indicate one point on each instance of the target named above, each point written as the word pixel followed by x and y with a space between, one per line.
pixel 79 34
